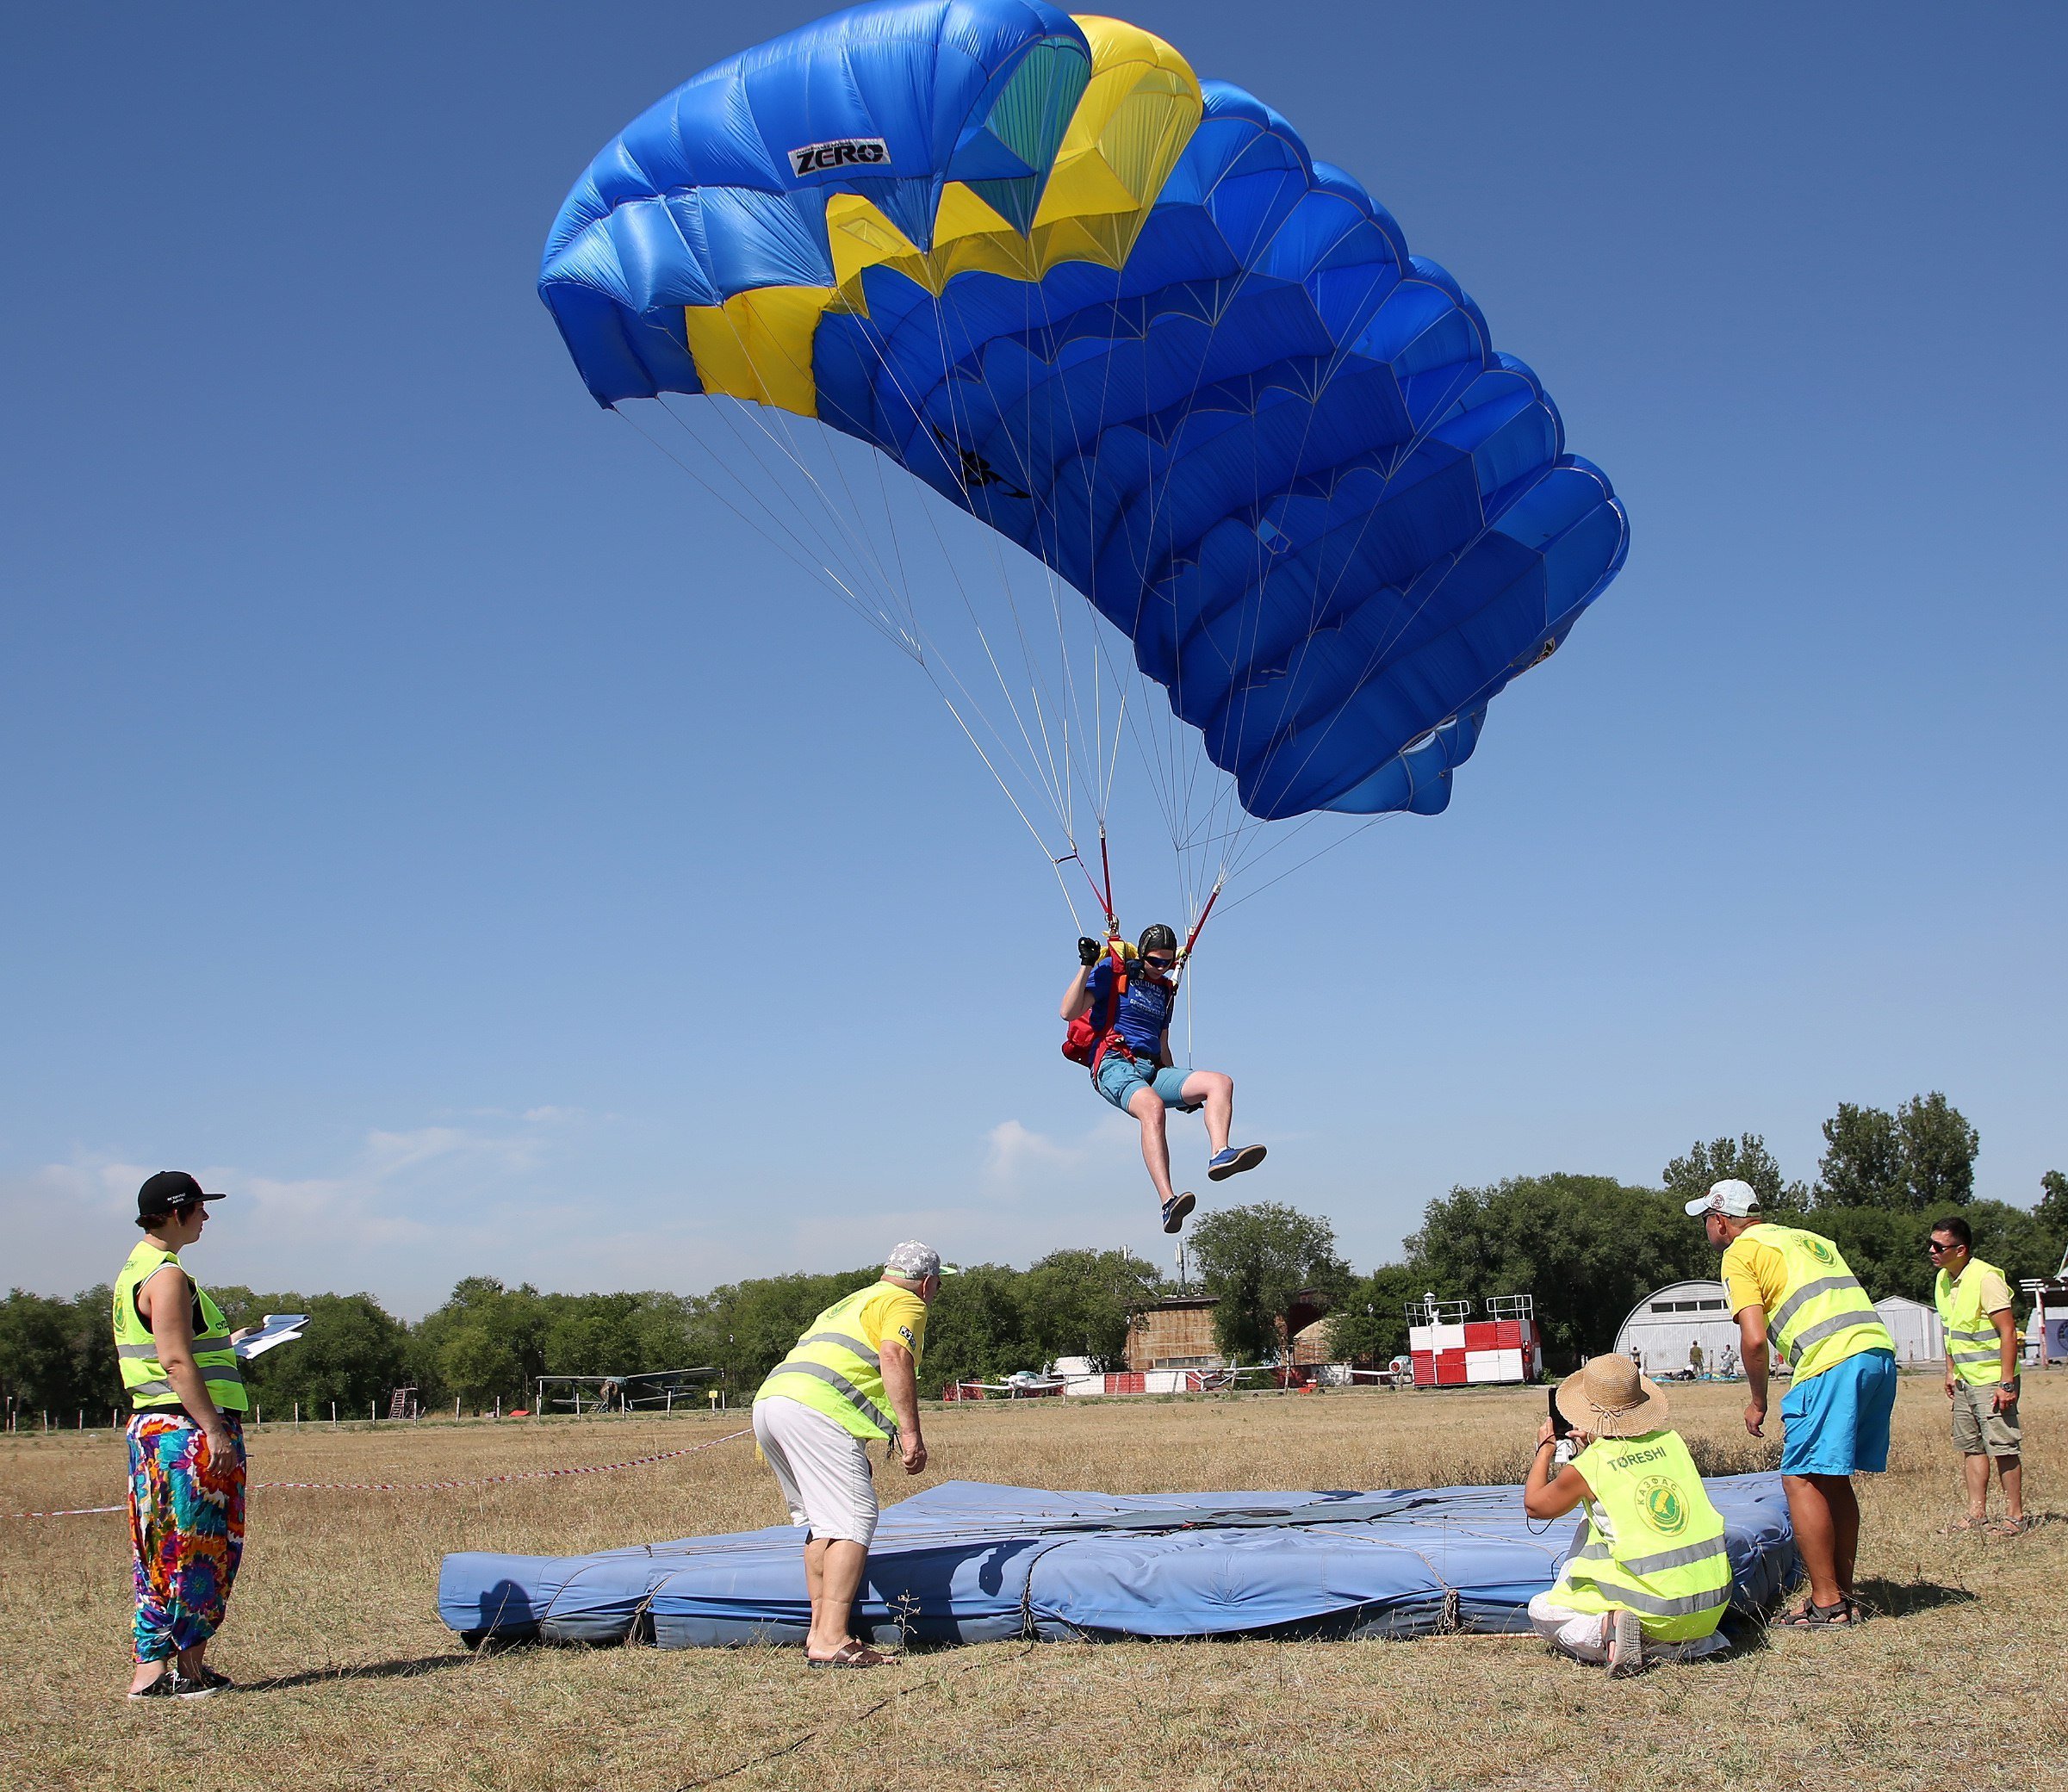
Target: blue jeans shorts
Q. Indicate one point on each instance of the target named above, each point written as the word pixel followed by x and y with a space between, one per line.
pixel 1838 1422
pixel 1119 1078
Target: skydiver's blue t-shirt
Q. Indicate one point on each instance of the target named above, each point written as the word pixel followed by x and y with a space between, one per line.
pixel 1144 1009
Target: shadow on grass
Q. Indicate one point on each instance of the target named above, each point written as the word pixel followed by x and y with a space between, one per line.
pixel 1903 1598
pixel 367 1670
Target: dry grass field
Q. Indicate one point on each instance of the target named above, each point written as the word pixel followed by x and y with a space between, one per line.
pixel 349 1679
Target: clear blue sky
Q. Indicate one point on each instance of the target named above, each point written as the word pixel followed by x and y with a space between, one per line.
pixel 431 820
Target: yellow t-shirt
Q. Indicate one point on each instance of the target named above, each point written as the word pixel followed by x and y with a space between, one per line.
pixel 894 1312
pixel 1756 1274
pixel 1996 1291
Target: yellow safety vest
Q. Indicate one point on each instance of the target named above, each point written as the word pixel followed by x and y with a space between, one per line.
pixel 1971 1344
pixel 832 1370
pixel 143 1375
pixel 1667 1561
pixel 1824 1316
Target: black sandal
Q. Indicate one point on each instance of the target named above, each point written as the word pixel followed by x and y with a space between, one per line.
pixel 1813 1616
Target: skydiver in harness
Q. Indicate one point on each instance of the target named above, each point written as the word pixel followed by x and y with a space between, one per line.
pixel 1119 1011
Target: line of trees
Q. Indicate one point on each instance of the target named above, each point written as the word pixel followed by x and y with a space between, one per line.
pixel 489 1341
pixel 1587 1248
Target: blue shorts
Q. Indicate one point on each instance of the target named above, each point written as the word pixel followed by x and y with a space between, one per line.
pixel 1119 1077
pixel 1838 1422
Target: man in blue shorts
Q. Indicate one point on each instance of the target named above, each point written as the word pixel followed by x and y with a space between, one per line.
pixel 1792 1288
pixel 1129 1010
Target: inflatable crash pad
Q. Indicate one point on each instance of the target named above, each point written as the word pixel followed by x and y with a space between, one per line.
pixel 968 1561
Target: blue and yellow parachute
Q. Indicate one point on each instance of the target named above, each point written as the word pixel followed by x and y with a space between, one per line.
pixel 1121 316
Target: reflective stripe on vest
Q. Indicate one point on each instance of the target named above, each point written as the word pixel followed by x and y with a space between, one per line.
pixel 885 1425
pixel 144 1377
pixel 833 1371
pixel 1972 1345
pixel 845 1342
pixel 1651 1492
pixel 1824 1304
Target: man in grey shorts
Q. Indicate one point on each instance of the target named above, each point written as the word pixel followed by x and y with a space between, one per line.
pixel 1982 1351
pixel 852 1376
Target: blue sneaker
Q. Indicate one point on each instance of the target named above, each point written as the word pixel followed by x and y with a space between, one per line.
pixel 1223 1164
pixel 1175 1210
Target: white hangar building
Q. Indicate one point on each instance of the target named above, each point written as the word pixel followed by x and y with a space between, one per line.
pixel 1915 1326
pixel 1662 1326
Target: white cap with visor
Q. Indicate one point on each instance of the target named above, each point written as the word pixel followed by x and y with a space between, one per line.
pixel 1732 1198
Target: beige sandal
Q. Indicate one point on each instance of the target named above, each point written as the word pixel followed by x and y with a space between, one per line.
pixel 852 1655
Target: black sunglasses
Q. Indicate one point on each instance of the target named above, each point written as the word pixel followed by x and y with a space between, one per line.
pixel 1934 1249
pixel 1154 963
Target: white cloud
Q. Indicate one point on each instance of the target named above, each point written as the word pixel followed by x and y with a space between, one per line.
pixel 1015 1154
pixel 403 1214
pixel 547 1194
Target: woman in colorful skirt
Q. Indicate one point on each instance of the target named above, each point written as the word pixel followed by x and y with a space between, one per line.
pixel 186 1445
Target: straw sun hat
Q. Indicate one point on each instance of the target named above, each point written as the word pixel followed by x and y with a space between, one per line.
pixel 1610 1399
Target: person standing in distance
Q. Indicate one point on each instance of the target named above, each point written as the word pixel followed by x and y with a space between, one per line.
pixel 186 1444
pixel 852 1376
pixel 1792 1288
pixel 1981 1373
pixel 1128 1015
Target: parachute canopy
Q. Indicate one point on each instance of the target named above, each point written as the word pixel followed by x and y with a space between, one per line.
pixel 1123 317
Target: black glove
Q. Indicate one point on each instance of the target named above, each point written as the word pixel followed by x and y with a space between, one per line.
pixel 1090 952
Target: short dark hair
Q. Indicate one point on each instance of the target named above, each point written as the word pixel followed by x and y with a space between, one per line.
pixel 182 1212
pixel 1957 1229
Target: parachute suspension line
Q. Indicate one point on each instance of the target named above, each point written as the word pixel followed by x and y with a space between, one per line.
pixel 1053 788
pixel 1197 759
pixel 1040 493
pixel 785 444
pixel 930 655
pixel 1003 784
pixel 1160 751
pixel 879 607
pixel 1114 758
pixel 863 536
pixel 1105 763
pixel 1367 823
pixel 724 410
pixel 911 637
pixel 774 528
pixel 1199 925
pixel 958 415
pixel 1104 901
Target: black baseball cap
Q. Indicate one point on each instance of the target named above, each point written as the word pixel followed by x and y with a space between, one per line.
pixel 167 1190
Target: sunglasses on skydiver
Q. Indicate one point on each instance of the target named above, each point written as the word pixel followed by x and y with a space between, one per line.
pixel 1155 962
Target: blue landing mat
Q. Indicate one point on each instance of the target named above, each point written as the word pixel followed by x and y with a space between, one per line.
pixel 967 1562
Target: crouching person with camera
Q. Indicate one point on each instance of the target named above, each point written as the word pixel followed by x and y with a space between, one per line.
pixel 1648 1578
